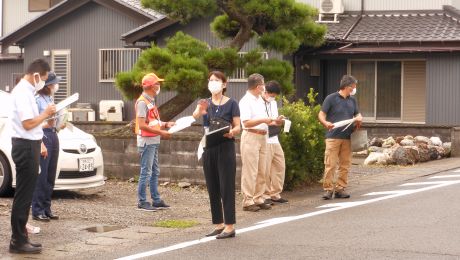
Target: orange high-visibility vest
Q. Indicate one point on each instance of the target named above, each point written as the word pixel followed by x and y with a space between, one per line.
pixel 152 119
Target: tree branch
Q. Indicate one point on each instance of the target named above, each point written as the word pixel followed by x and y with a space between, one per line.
pixel 246 23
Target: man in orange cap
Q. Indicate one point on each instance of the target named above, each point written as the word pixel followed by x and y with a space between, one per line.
pixel 149 130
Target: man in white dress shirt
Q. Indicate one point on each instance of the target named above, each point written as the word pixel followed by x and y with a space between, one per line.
pixel 253 144
pixel 26 144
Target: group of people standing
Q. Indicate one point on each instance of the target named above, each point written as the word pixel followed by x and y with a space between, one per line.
pixel 256 118
pixel 35 147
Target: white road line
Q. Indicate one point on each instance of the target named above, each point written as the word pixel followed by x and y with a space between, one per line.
pixel 329 208
pixel 446 176
pixel 458 170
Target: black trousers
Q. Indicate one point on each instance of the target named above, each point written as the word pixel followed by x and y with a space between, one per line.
pixel 41 201
pixel 26 156
pixel 219 165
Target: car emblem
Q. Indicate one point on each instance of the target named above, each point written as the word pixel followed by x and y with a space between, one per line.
pixel 83 149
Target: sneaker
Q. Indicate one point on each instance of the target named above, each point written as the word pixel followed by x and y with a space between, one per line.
pixel 341 194
pixel 160 205
pixel 32 229
pixel 328 195
pixel 264 206
pixel 252 208
pixel 280 200
pixel 145 206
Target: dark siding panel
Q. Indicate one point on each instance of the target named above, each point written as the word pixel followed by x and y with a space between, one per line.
pixel 84 32
pixel 443 90
pixel 334 70
pixel 7 68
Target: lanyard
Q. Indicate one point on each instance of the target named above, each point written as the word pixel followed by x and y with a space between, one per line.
pixel 218 107
pixel 269 115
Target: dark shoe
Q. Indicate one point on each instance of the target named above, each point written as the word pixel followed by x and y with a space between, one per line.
pixel 341 194
pixel 26 248
pixel 268 202
pixel 280 200
pixel 52 216
pixel 252 208
pixel 145 206
pixel 328 195
pixel 160 205
pixel 226 235
pixel 35 244
pixel 215 232
pixel 43 218
pixel 264 206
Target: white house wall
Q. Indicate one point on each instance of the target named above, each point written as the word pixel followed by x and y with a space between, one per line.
pixel 389 5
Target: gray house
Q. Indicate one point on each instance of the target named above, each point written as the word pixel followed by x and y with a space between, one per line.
pixel 405 56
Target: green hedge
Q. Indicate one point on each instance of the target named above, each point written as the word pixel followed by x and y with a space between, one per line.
pixel 304 144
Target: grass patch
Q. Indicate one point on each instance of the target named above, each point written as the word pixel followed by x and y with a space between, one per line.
pixel 176 223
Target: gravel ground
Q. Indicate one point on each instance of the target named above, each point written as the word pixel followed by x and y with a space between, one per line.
pixel 115 204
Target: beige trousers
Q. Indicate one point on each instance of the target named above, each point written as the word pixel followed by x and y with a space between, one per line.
pixel 275 171
pixel 338 152
pixel 253 152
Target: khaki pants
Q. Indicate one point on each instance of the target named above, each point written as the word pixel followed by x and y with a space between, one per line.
pixel 275 171
pixel 338 152
pixel 253 152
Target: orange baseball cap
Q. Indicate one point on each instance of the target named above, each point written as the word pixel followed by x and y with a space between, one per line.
pixel 150 80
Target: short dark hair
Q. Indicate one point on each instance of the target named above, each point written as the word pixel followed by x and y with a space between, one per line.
pixel 273 87
pixel 45 91
pixel 40 66
pixel 347 80
pixel 255 80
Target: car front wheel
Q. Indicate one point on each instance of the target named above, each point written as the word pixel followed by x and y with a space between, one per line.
pixel 5 177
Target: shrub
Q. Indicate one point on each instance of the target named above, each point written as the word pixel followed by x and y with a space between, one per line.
pixel 304 144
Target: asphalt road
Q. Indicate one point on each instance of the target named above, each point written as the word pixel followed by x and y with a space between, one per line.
pixel 418 221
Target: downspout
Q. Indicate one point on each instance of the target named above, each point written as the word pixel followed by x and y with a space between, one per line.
pixel 345 36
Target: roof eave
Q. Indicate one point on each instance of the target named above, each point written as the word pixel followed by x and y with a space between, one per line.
pixel 147 30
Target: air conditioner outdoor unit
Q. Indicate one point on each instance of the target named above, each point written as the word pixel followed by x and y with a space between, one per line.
pixel 111 110
pixel 330 7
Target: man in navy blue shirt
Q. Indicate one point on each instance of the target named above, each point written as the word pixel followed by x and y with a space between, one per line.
pixel 336 107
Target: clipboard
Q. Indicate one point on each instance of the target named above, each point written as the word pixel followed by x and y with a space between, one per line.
pixel 67 102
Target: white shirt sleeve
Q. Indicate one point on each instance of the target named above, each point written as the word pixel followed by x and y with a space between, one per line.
pixel 245 110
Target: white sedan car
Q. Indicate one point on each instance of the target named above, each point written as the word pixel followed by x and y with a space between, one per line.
pixel 80 162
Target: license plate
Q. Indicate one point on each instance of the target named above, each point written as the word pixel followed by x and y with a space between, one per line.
pixel 86 164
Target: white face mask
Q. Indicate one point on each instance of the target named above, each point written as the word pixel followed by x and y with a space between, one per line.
pixel 38 86
pixel 270 99
pixel 353 92
pixel 215 87
pixel 158 91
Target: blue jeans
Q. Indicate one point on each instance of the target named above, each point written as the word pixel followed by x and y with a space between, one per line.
pixel 150 170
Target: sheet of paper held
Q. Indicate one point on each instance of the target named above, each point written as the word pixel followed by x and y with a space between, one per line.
pixel 67 102
pixel 217 130
pixel 200 151
pixel 181 124
pixel 347 123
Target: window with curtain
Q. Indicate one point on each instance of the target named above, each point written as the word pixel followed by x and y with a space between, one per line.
pixel 379 88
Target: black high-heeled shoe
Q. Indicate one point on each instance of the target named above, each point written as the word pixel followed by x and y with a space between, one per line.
pixel 215 232
pixel 226 235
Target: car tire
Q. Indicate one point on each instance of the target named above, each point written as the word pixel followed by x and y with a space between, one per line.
pixel 5 172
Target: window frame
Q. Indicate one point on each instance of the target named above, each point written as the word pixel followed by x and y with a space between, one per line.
pixel 241 71
pixel 39 10
pixel 100 69
pixel 374 118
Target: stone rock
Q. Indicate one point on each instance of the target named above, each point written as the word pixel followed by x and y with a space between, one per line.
pixel 436 141
pixel 407 142
pixel 376 142
pixel 184 184
pixel 441 151
pixel 166 183
pixel 373 158
pixel 389 142
pixel 131 180
pixel 422 139
pixel 423 152
pixel 405 155
pixel 409 137
pixel 399 139
pixel 447 148
pixel 375 149
pixel 433 152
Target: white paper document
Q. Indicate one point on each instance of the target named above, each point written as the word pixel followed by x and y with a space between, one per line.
pixel 347 123
pixel 200 151
pixel 67 102
pixel 181 124
pixel 217 130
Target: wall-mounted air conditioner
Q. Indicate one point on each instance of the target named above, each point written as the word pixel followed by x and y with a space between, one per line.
pixel 330 7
